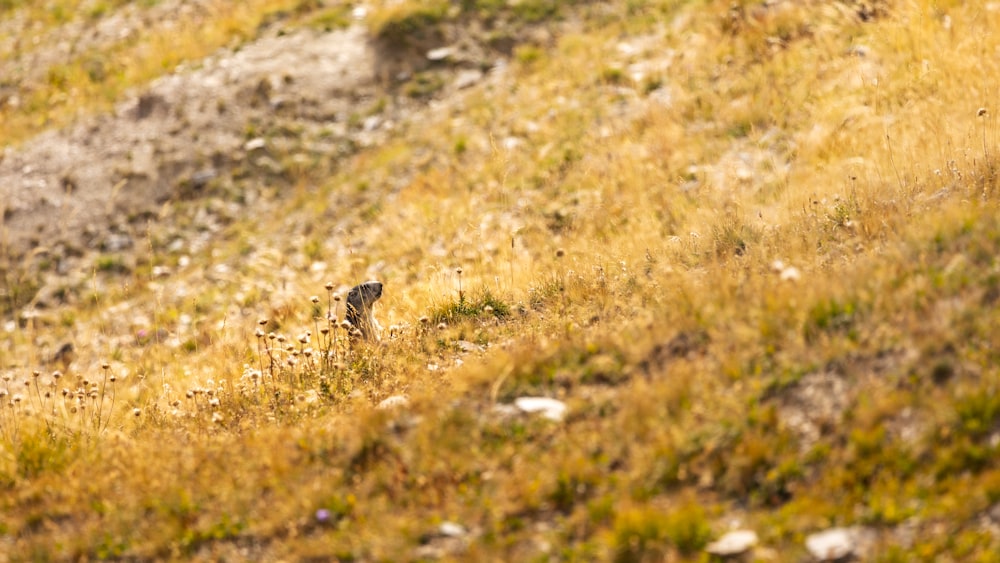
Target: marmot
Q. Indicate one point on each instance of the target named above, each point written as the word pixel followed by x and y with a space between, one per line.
pixel 360 301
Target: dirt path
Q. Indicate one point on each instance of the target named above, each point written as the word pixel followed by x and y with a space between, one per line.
pixel 78 188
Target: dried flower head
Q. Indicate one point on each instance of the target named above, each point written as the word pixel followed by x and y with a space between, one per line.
pixel 425 320
pixel 314 299
pixel 329 286
pixel 262 321
pixel 981 112
pixel 259 333
pixel 105 366
pixel 442 325
pixel 56 374
pixel 336 297
pixel 136 412
pixel 458 270
pixel 560 253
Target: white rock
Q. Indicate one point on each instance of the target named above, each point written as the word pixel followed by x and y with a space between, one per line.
pixel 393 402
pixel 440 54
pixel 254 144
pixel 466 346
pixel 551 409
pixel 830 545
pixel 452 530
pixel 467 78
pixel 791 273
pixel 733 543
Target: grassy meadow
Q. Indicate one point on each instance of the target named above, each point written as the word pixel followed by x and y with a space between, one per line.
pixel 753 247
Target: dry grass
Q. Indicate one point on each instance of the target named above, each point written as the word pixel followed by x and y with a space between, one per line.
pixel 752 249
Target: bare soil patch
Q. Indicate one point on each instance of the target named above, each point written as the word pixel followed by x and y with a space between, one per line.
pixel 188 129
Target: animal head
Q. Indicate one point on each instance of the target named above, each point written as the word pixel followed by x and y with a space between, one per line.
pixel 360 300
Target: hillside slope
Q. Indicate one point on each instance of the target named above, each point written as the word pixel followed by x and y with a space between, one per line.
pixel 750 248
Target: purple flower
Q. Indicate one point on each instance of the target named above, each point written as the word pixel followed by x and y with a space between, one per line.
pixel 322 516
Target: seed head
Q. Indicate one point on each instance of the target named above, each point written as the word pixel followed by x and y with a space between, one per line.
pixel 259 333
pixel 442 326
pixel 262 321
pixel 425 320
pixel 981 112
pixel 336 297
pixel 136 412
pixel 105 366
pixel 314 299
pixel 56 374
pixel 329 286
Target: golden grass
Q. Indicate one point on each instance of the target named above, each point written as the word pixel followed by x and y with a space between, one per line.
pixel 632 225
